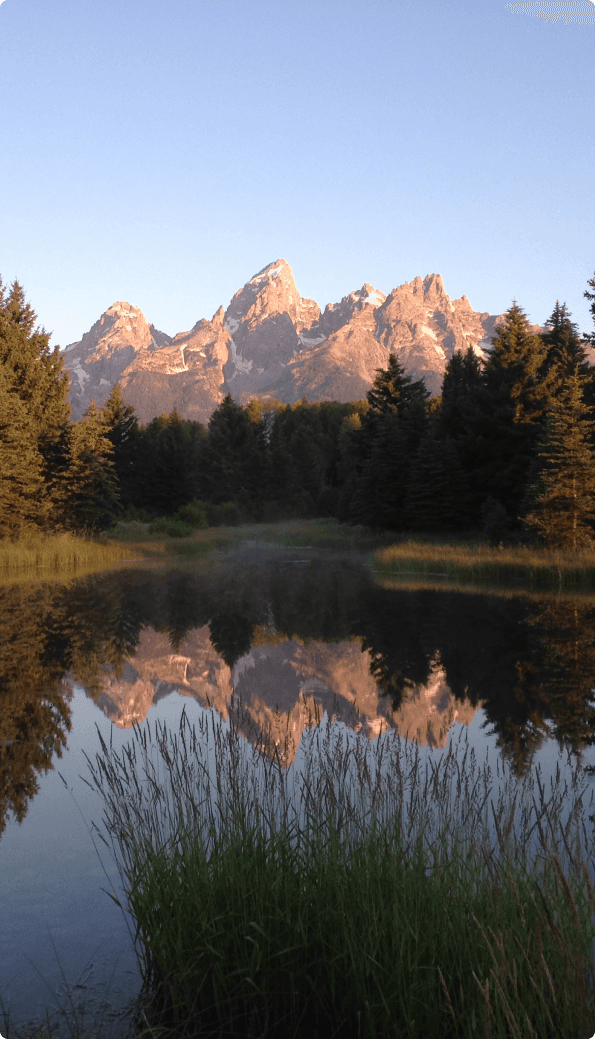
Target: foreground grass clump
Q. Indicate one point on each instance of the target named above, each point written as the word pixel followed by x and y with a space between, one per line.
pixel 58 552
pixel 363 892
pixel 537 567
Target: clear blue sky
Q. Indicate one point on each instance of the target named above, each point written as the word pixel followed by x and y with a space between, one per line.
pixel 163 151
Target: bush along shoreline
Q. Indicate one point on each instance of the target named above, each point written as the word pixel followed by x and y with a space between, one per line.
pixel 371 892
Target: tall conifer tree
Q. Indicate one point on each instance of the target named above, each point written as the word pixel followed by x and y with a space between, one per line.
pixel 90 489
pixel 565 350
pixel 233 461
pixel 590 336
pixel 122 430
pixel 22 502
pixel 460 421
pixel 512 406
pixel 35 375
pixel 384 447
pixel 563 510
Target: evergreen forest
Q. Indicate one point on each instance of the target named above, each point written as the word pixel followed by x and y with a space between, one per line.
pixel 507 450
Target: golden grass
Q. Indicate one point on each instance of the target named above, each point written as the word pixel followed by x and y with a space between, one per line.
pixel 535 567
pixel 55 554
pixel 398 583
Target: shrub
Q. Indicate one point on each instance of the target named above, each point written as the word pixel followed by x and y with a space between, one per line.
pixel 171 526
pixel 225 515
pixel 194 514
pixel 134 515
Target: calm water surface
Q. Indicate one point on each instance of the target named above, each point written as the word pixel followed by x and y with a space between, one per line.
pixel 298 638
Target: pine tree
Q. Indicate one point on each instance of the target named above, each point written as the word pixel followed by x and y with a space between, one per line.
pixel 393 392
pixel 90 492
pixel 512 407
pixel 35 375
pixel 514 368
pixel 565 350
pixel 563 510
pixel 22 502
pixel 167 464
pixel 233 465
pixel 590 336
pixel 383 449
pixel 460 421
pixel 438 497
pixel 459 401
pixel 122 430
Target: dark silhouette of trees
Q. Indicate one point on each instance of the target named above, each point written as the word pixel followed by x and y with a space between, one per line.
pixel 167 459
pixel 382 449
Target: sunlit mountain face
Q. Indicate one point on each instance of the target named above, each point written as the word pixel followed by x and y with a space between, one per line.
pixel 282 641
pixel 270 342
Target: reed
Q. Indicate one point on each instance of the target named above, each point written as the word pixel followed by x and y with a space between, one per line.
pixel 535 567
pixel 367 891
pixel 61 552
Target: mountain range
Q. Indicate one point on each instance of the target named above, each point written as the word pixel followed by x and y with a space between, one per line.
pixel 271 343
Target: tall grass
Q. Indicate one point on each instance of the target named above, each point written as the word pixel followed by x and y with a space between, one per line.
pixel 537 567
pixel 58 553
pixel 365 892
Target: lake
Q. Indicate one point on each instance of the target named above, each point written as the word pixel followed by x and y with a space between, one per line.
pixel 294 636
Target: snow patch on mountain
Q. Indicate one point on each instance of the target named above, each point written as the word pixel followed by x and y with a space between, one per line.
pixel 82 377
pixel 311 342
pixel 240 364
pixel 429 331
pixel 375 298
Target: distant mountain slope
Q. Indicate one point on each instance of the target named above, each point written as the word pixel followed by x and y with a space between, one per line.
pixel 273 343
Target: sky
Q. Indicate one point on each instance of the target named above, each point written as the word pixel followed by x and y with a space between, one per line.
pixel 164 151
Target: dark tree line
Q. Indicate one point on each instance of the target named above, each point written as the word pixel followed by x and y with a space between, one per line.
pixel 507 448
pixel 261 461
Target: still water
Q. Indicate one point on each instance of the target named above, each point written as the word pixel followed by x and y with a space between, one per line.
pixel 297 637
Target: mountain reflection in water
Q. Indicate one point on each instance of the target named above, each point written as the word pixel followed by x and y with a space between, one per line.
pixel 291 642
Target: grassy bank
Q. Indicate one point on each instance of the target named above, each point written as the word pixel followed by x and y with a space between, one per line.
pixel 467 561
pixel 479 562
pixel 374 895
pixel 323 534
pixel 59 553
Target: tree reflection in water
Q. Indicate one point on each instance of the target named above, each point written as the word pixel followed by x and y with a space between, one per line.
pixel 528 662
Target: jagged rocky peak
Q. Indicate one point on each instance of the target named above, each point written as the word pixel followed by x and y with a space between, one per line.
pixel 338 314
pixel 120 326
pixel 270 292
pixel 99 359
pixel 264 321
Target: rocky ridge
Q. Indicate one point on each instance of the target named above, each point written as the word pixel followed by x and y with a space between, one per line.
pixel 272 343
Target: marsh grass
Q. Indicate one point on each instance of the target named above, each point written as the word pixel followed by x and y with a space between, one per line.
pixel 316 534
pixel 368 890
pixel 535 567
pixel 58 553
